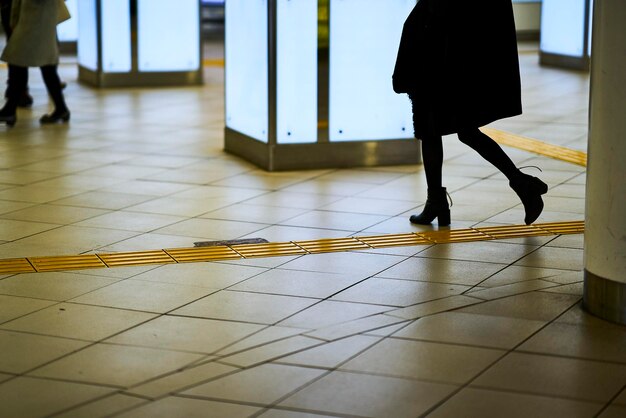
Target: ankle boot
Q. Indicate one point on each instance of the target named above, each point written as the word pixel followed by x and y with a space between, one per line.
pixel 529 189
pixel 8 114
pixel 436 207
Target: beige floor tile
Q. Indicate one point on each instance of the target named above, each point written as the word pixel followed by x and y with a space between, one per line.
pixel 210 275
pixel 120 366
pixel 12 307
pixel 131 221
pixel 263 337
pixel 179 206
pixel 539 306
pixel 466 273
pixel 22 352
pixel 104 200
pixel 104 407
pixel 271 351
pixel 510 289
pixel 335 220
pixel 361 176
pixel 575 289
pixel 484 403
pixel 190 408
pixel 84 238
pixel 490 252
pixel 254 213
pixel 54 214
pixel 234 194
pixel 517 274
pixel 621 399
pixel 558 258
pixel 279 413
pixel 293 200
pixel 251 385
pixel 554 376
pixel 37 194
pixel 282 233
pixel 149 188
pixel 327 313
pixel 593 343
pixel 371 396
pixel 397 292
pixel 332 354
pixel 146 296
pixel 25 397
pixel 576 315
pixel 211 228
pixel 332 188
pixel 355 263
pixel 357 326
pixel 433 307
pixel 181 379
pixel 370 206
pixel 52 286
pixel 22 177
pixel 150 241
pixel 247 307
pixel 186 334
pixel 613 411
pixel 78 321
pixel 6 206
pixel 298 283
pixel 13 230
pixel 471 329
pixel 424 360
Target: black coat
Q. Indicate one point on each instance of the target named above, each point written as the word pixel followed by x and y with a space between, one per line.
pixel 458 61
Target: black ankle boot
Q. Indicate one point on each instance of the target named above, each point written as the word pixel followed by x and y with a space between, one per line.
pixel 8 115
pixel 62 116
pixel 529 189
pixel 436 207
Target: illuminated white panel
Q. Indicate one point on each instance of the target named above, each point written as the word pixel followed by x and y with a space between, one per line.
pixel 247 109
pixel 563 27
pixel 116 55
pixel 68 30
pixel 591 7
pixel 297 71
pixel 87 35
pixel 169 35
pixel 363 48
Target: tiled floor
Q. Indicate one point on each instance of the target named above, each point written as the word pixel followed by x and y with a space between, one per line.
pixel 486 329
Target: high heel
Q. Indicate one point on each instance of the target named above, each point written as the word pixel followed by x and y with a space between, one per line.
pixel 529 189
pixel 10 120
pixel 55 117
pixel 436 207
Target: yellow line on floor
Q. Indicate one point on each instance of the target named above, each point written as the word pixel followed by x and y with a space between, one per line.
pixel 538 147
pixel 213 62
pixel 239 252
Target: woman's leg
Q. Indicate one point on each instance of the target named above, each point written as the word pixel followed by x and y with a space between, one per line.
pixel 53 85
pixel 490 151
pixel 437 203
pixel 528 188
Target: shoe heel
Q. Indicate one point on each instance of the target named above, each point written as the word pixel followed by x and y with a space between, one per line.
pixel 444 218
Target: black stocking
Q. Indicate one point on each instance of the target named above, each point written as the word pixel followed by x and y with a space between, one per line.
pixel 490 151
pixel 432 155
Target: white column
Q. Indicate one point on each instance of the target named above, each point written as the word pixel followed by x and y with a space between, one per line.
pixel 605 237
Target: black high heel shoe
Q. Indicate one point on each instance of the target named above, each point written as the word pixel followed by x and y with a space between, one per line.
pixel 55 117
pixel 436 207
pixel 529 189
pixel 8 117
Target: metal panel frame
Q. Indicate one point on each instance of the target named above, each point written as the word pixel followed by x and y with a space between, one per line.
pixel 273 156
pixel 568 61
pixel 136 78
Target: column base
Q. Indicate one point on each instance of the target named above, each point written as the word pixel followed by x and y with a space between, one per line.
pixel 605 298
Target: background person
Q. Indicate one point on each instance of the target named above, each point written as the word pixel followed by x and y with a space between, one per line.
pixel 33 43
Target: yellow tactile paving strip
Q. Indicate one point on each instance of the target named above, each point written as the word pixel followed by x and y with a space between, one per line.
pixel 538 147
pixel 239 252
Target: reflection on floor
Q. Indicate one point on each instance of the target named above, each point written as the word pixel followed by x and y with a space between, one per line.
pixel 473 329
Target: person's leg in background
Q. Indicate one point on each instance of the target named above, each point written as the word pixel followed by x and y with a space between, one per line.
pixel 18 77
pixel 25 99
pixel 528 188
pixel 53 84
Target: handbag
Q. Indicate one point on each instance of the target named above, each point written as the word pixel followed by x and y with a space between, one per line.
pixel 63 13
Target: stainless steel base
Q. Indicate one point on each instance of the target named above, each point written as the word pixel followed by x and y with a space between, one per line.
pixel 135 79
pixel 563 61
pixel 322 154
pixel 605 298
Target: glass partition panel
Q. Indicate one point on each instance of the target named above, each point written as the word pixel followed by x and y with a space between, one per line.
pixel 88 35
pixel 168 35
pixel 247 108
pixel 68 30
pixel 116 52
pixel 296 71
pixel 563 27
pixel 364 39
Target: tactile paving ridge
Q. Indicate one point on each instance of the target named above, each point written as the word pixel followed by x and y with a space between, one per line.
pixel 278 249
